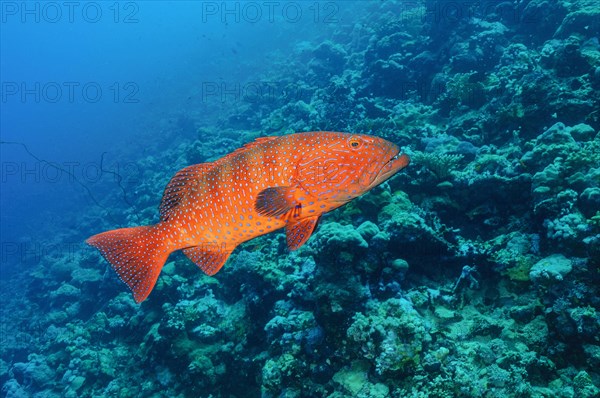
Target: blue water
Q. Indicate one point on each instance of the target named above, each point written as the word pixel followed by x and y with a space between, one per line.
pixel 82 80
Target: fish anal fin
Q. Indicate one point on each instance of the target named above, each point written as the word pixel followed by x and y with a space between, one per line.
pixel 180 186
pixel 298 232
pixel 275 201
pixel 209 257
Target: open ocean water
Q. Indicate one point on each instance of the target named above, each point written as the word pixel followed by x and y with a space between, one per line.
pixel 473 272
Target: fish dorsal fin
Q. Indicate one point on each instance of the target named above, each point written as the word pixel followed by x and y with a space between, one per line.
pixel 275 201
pixel 250 145
pixel 297 233
pixel 210 257
pixel 258 141
pixel 181 184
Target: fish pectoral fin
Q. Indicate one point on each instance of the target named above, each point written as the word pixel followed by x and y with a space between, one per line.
pixel 275 201
pixel 210 257
pixel 180 186
pixel 298 232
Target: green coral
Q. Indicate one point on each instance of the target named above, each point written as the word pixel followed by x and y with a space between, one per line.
pixel 513 252
pixel 520 271
pixel 344 240
pixel 277 370
pixel 595 219
pixel 583 158
pixel 355 382
pixel 442 165
pixel 390 334
pixel 584 385
pixel 462 87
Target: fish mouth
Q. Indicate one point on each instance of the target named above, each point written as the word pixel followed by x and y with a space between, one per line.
pixel 392 166
pixel 376 174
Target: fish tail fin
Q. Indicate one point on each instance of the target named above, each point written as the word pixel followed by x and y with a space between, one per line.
pixel 137 255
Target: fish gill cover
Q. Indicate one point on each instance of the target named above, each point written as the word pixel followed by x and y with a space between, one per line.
pixel 472 273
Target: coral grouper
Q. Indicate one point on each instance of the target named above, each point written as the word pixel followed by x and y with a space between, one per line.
pixel 208 209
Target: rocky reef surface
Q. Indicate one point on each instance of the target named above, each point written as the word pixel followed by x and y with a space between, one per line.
pixel 474 273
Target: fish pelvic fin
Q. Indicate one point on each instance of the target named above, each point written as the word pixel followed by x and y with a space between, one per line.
pixel 209 257
pixel 298 232
pixel 136 254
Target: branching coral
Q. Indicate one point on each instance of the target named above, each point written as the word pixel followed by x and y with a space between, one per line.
pixel 441 165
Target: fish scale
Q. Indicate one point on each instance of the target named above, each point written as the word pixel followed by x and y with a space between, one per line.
pixel 208 209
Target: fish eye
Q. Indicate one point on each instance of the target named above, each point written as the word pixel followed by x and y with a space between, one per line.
pixel 354 143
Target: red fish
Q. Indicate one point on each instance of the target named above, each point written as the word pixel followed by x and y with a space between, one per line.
pixel 208 209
